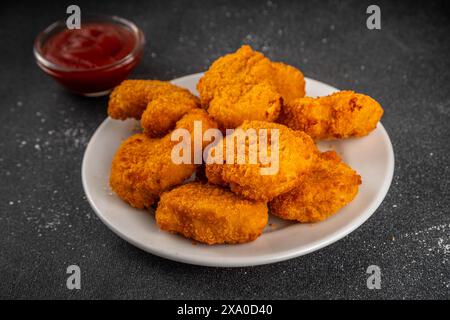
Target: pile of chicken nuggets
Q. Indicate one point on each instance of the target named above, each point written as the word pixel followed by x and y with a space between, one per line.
pixel 230 202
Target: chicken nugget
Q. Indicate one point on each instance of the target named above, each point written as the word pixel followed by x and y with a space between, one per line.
pixel 341 115
pixel 234 104
pixel 226 89
pixel 289 81
pixel 242 67
pixel 143 168
pixel 210 214
pixel 131 98
pixel 293 153
pixel 165 110
pixel 320 193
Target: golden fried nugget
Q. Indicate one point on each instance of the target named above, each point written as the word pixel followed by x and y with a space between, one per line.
pixel 289 81
pixel 210 214
pixel 321 192
pixel 242 67
pixel 143 168
pixel 296 153
pixel 165 110
pixel 235 74
pixel 234 104
pixel 341 115
pixel 131 98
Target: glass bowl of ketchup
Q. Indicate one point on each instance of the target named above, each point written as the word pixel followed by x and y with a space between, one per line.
pixel 93 59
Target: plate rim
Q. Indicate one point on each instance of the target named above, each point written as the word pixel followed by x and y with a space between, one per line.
pixel 253 260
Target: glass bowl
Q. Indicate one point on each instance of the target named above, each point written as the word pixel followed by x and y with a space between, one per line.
pixel 95 81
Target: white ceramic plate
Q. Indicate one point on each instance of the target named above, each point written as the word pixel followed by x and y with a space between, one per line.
pixel 371 156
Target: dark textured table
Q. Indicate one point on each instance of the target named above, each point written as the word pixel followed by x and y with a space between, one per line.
pixel 46 223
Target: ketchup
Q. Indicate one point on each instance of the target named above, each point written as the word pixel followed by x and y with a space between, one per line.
pixel 94 45
pixel 91 60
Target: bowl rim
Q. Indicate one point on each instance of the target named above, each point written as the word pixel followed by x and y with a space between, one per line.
pixel 52 28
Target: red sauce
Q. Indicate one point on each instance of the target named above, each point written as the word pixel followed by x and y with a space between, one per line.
pixel 82 56
pixel 94 45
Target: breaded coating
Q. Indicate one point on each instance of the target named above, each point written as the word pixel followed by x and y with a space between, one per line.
pixel 321 192
pixel 341 115
pixel 289 81
pixel 165 110
pixel 143 168
pixel 234 74
pixel 296 153
pixel 234 104
pixel 210 214
pixel 132 97
pixel 242 67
